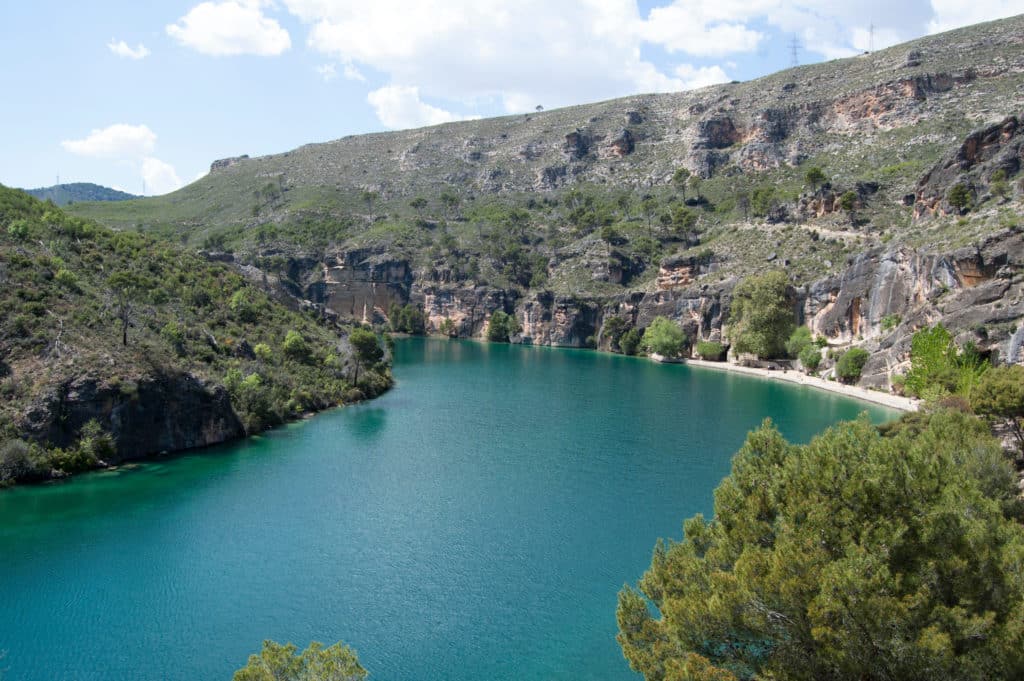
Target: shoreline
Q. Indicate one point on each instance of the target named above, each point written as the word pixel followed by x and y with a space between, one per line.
pixel 794 377
pixel 798 378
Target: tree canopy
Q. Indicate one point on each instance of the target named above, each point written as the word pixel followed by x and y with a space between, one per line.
pixel 866 555
pixel 999 397
pixel 664 337
pixel 501 327
pixel 762 317
pixel 276 662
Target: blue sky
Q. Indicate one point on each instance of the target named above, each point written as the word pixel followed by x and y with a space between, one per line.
pixel 122 93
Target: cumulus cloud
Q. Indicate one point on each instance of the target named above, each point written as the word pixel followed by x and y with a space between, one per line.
pixel 116 141
pixel 132 145
pixel 400 106
pixel 521 53
pixel 160 177
pixel 122 49
pixel 695 77
pixel 516 53
pixel 230 28
pixel 701 29
pixel 950 14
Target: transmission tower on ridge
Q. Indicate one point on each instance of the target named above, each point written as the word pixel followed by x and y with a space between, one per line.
pixel 794 51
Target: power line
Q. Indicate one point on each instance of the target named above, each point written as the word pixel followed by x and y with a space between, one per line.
pixel 871 37
pixel 794 51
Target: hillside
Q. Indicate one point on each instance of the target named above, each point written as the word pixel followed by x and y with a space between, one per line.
pixel 569 218
pixel 64 194
pixel 115 346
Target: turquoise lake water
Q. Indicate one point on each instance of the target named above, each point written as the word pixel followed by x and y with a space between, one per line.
pixel 475 523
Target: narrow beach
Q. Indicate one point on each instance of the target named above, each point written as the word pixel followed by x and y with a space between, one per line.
pixel 799 378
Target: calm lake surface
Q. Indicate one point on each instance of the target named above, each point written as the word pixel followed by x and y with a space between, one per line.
pixel 475 524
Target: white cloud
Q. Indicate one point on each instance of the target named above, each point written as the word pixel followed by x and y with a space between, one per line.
pixel 699 29
pixel 400 106
pixel 122 49
pixel 132 145
pixel 116 141
pixel 950 14
pixel 695 77
pixel 520 53
pixel 327 71
pixel 160 177
pixel 230 28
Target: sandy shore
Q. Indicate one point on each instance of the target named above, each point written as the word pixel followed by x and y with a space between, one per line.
pixel 800 378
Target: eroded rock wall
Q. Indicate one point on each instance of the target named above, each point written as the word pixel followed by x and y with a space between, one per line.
pixel 153 415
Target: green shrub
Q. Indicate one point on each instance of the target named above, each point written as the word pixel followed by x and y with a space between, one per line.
pixel 15 463
pixel 810 358
pixel 262 352
pixel 960 197
pixel 850 365
pixel 173 333
pixel 295 346
pixel 664 337
pixel 762 317
pixel 501 327
pixel 406 319
pixel 243 306
pixel 711 351
pixel 890 322
pixel 447 328
pixel 95 444
pixel 798 340
pixel 19 229
pixel 67 279
pixel 612 330
pixel 629 342
pixel 815 177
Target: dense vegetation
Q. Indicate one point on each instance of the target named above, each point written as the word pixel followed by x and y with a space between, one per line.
pixel 81 302
pixel 762 315
pixel 276 662
pixel 892 553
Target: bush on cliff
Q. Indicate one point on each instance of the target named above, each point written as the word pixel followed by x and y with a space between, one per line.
pixel 710 351
pixel 810 358
pixel 939 368
pixel 629 342
pixel 863 555
pixel 762 318
pixel 664 337
pixel 501 327
pixel 999 397
pixel 851 363
pixel 798 340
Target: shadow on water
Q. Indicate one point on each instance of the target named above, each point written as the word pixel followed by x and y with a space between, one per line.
pixel 367 423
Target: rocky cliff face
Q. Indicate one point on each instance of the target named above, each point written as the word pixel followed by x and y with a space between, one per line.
pixel 883 297
pixel 154 415
pixel 878 300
